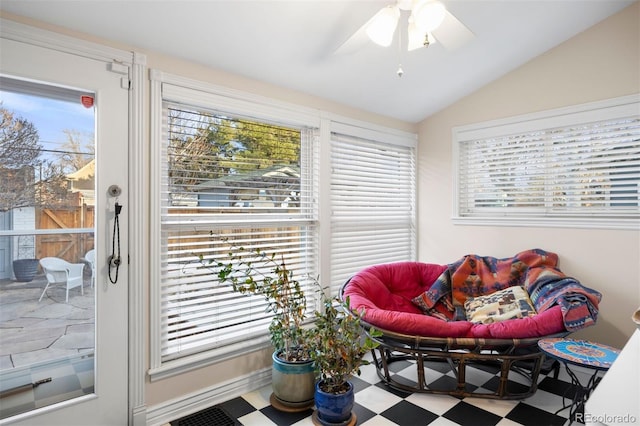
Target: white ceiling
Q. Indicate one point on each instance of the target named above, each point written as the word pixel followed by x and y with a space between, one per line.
pixel 293 43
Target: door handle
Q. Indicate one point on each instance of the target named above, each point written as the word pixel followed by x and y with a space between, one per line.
pixel 114 191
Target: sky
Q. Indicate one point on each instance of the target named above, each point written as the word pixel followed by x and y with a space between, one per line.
pixel 51 117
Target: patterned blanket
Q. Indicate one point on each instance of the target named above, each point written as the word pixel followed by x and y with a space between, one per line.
pixel 535 270
pixel 579 304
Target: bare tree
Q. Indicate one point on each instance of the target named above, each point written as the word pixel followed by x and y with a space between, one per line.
pixel 77 151
pixel 19 141
pixel 26 179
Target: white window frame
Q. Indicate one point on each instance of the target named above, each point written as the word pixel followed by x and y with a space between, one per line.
pixel 176 89
pixel 626 106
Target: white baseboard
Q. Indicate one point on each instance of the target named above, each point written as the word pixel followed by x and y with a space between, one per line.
pixel 162 414
pixel 139 416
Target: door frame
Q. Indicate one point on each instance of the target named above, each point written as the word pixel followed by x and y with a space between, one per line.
pixel 6 246
pixel 137 210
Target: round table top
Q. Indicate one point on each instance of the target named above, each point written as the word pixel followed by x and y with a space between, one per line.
pixel 580 352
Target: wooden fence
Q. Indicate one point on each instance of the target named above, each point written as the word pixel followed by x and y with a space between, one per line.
pixel 70 246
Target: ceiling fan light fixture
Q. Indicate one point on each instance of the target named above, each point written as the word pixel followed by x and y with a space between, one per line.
pixel 428 15
pixel 383 25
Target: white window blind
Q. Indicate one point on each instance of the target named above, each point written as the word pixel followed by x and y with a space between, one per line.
pixel 582 165
pixel 230 180
pixel 372 205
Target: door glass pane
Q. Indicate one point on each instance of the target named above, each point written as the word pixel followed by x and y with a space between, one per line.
pixel 47 288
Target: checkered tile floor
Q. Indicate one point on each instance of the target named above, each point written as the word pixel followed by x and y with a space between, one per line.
pixel 378 405
pixel 70 377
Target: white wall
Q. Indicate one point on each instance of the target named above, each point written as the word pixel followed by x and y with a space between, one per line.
pixel 602 62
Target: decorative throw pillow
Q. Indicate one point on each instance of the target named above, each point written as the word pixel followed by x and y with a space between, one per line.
pixel 512 302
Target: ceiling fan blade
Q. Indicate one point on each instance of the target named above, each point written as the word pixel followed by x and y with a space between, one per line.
pixel 416 39
pixel 354 43
pixel 452 33
pixel 389 15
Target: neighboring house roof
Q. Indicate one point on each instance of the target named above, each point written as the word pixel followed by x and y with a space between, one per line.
pixel 83 181
pixel 85 175
pixel 261 177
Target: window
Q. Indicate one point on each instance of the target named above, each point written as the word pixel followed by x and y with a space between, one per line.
pixel 47 210
pixel 230 165
pixel 578 166
pixel 372 201
pixel 231 171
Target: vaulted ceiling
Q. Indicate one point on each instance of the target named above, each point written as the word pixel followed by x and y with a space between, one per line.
pixel 300 44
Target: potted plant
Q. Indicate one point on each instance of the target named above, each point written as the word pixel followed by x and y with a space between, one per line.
pixel 338 349
pixel 259 273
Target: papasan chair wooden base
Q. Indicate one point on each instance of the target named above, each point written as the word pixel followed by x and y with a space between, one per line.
pixel 503 356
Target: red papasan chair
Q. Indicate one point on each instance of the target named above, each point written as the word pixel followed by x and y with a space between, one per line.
pixel 477 310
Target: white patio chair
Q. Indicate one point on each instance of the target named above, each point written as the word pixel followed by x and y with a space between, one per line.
pixel 90 258
pixel 59 271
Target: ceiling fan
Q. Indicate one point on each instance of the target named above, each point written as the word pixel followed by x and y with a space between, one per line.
pixel 428 22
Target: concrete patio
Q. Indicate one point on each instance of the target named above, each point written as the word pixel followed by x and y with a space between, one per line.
pixel 33 332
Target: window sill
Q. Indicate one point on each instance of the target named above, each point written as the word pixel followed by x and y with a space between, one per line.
pixel 204 359
pixel 586 223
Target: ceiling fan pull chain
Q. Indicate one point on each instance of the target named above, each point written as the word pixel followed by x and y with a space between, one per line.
pixel 400 70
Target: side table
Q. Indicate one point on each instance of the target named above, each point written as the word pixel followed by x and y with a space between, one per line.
pixel 590 355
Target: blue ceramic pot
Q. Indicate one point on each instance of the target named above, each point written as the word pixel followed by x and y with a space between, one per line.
pixel 25 269
pixel 334 408
pixel 293 382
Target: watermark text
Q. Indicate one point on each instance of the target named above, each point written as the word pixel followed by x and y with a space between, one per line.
pixel 606 418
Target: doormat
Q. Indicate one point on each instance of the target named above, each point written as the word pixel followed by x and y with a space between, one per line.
pixel 214 416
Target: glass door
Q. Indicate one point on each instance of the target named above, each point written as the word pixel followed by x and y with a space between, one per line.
pixel 63 284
